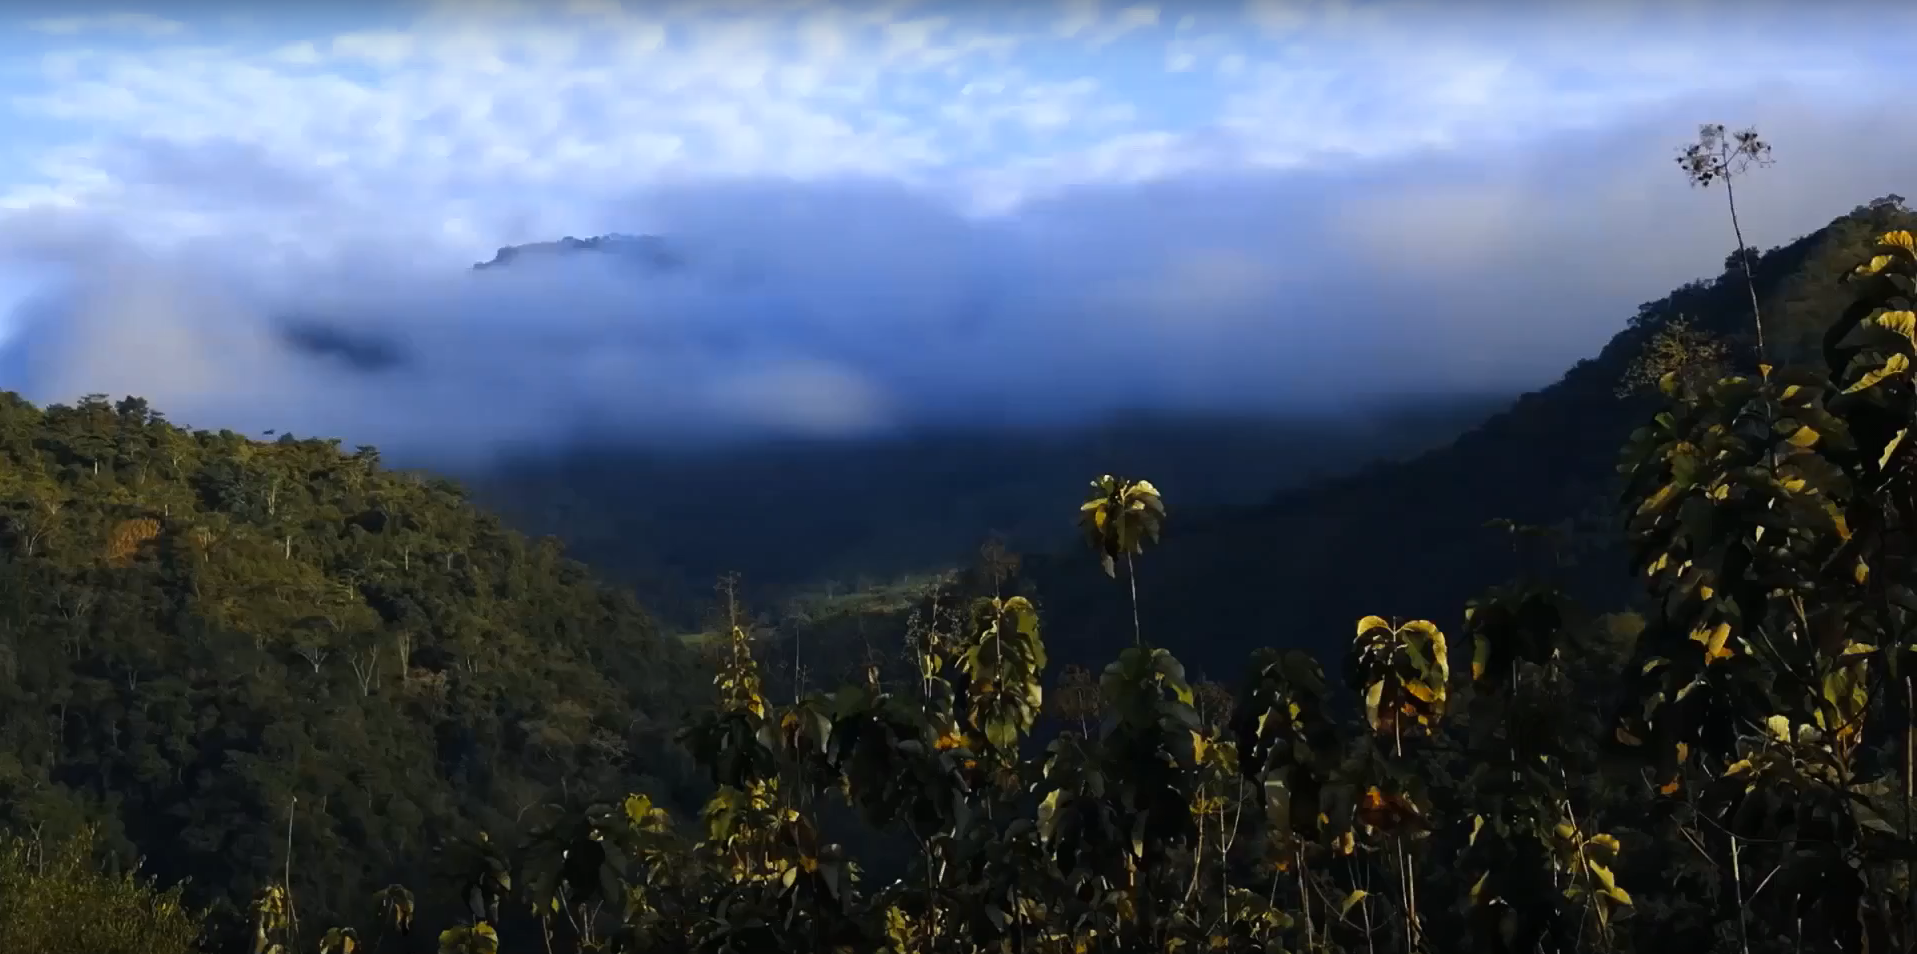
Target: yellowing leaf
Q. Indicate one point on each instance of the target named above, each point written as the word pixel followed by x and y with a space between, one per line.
pixel 1779 727
pixel 1861 572
pixel 1897 364
pixel 1659 499
pixel 1805 436
pixel 1374 694
pixel 1713 641
pixel 1898 239
pixel 1346 843
pixel 1351 901
pixel 1897 322
pixel 1890 448
pixel 1837 520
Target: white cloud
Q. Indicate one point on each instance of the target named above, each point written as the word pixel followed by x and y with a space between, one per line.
pixel 386 49
pixel 1129 20
pixel 1033 170
pixel 1076 16
pixel 597 98
pixel 138 23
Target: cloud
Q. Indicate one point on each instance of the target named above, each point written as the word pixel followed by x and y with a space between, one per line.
pixel 892 215
pixel 138 23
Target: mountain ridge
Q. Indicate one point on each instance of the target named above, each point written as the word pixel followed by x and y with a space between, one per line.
pixel 651 251
pixel 1410 539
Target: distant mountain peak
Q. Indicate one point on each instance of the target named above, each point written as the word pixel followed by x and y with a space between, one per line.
pixel 650 251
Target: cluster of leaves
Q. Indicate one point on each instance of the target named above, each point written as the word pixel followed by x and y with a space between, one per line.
pixel 1689 356
pixel 1771 518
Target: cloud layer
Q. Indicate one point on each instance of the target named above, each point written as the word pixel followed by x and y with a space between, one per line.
pixel 891 214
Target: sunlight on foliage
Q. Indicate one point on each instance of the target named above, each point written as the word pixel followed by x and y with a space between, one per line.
pixel 1678 356
pixel 55 899
pixel 1120 518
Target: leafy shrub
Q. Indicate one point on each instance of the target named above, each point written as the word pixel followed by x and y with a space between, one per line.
pixel 57 899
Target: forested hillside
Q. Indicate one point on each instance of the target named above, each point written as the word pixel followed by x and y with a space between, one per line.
pixel 795 518
pixel 197 629
pixel 1408 538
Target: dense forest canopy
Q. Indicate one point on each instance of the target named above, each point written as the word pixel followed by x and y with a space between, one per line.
pixel 208 639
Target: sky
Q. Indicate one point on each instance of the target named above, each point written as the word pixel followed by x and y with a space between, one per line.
pixel 890 213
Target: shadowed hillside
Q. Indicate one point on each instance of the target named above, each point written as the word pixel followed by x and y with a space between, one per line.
pixel 1409 538
pixel 795 517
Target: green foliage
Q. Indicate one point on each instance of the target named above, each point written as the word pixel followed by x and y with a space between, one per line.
pixel 1002 665
pixel 1121 516
pixel 1402 671
pixel 56 899
pixel 1770 515
pixel 197 627
pixel 1681 352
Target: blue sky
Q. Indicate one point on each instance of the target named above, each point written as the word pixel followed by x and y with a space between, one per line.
pixel 1199 179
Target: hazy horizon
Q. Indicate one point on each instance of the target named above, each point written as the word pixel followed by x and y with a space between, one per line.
pixel 892 215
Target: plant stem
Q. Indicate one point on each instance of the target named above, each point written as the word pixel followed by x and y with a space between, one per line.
pixel 286 877
pixel 1910 764
pixel 1131 577
pixel 1744 263
pixel 1737 883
